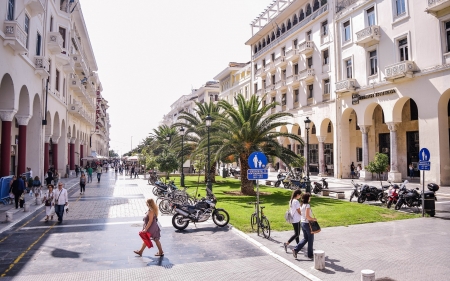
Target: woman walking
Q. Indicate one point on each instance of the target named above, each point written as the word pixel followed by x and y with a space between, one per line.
pixel 48 201
pixel 49 178
pixel 82 183
pixel 294 209
pixel 151 226
pixel 308 237
pixel 37 188
pixel 56 177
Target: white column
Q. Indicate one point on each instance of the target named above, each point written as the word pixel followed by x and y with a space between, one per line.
pixel 321 156
pixel 393 174
pixel 365 143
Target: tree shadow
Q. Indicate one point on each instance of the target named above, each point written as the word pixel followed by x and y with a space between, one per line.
pixel 61 253
pixel 331 263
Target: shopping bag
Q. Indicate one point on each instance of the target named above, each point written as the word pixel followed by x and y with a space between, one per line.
pixel 145 236
pixel 52 210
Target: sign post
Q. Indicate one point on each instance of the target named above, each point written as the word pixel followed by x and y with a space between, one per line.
pixel 257 162
pixel 424 165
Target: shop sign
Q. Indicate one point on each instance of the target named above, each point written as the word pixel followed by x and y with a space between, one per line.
pixel 356 97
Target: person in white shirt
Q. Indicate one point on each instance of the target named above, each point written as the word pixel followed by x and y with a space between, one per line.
pixel 99 172
pixel 308 237
pixel 61 199
pixel 294 209
pixel 31 172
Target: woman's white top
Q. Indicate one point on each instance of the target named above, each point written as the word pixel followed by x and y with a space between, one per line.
pixel 303 210
pixel 293 209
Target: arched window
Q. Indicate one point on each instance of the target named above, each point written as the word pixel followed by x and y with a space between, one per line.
pixel 301 16
pixel 323 2
pixel 289 25
pixel 295 19
pixel 316 5
pixel 283 28
pixel 299 131
pixel 259 46
pixel 329 128
pixel 414 111
pixel 278 32
pixel 313 130
pixel 256 49
pixel 308 10
pixel 264 43
pixel 273 36
pixel 268 39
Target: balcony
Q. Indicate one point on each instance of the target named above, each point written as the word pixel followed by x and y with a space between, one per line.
pixel 259 92
pixel 80 64
pixel 15 37
pixel 269 89
pixel 259 72
pixel 404 69
pixel 347 85
pixel 35 7
pixel 41 67
pixel 280 84
pixel 307 75
pixel 280 61
pixel 292 54
pixel 75 84
pixel 306 48
pixel 369 34
pixel 70 66
pixel 55 42
pixel 269 67
pixel 435 6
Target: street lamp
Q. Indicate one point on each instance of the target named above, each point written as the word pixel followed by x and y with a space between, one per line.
pixel 308 183
pixel 182 151
pixel 208 121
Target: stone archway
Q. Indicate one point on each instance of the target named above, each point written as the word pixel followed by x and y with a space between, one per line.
pixel 34 145
pixel 7 112
pixel 350 149
pixel 23 115
pixel 325 138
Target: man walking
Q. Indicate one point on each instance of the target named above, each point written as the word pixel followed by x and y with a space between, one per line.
pixel 89 172
pixel 61 198
pixel 352 170
pixel 132 172
pixel 99 172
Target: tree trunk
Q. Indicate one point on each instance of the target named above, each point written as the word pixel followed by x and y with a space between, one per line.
pixel 246 185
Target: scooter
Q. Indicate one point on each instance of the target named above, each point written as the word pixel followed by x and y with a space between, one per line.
pixel 393 196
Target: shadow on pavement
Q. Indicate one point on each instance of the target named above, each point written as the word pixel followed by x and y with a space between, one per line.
pixel 331 263
pixel 61 253
pixel 212 229
pixel 161 261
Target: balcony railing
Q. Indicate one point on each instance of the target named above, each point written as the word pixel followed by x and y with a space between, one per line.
pixel 41 66
pixel 434 6
pixel 270 66
pixel 399 70
pixel 341 5
pixel 306 47
pixel 280 83
pixel 294 29
pixel 280 60
pixel 15 36
pixel 55 42
pixel 368 34
pixel 347 85
pixel 307 74
pixel 259 71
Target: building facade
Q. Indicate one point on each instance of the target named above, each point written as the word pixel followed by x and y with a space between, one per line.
pixel 49 87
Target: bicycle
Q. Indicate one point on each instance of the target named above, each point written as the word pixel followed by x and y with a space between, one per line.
pixel 260 222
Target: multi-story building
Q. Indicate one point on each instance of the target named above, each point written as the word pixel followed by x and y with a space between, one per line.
pixel 292 44
pixel 234 80
pixel 48 86
pixel 392 62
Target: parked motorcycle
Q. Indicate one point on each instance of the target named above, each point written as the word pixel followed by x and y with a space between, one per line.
pixel 412 197
pixel 200 212
pixel 392 196
pixel 318 187
pixel 355 191
pixel 372 193
pixel 281 177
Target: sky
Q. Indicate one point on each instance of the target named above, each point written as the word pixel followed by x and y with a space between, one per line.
pixel 149 53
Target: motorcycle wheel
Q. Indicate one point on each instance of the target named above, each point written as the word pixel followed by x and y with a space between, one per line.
pixel 399 204
pixel 178 223
pixel 361 199
pixel 382 198
pixel 315 190
pixel 286 184
pixel 220 217
pixel 155 190
pixel 265 227
pixel 351 196
pixel 389 204
pixel 164 207
pixel 253 221
pixel 277 184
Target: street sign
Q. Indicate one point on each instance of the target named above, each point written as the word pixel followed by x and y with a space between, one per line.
pixel 257 162
pixel 424 154
pixel 424 165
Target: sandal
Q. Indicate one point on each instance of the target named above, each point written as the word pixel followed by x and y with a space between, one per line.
pixel 46 219
pixel 159 255
pixel 285 246
pixel 138 253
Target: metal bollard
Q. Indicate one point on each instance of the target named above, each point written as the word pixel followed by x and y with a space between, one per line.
pixel 9 216
pixel 367 275
pixel 26 207
pixel 319 259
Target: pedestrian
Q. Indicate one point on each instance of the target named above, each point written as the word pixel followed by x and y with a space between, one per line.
pixel 132 172
pixel 77 170
pixel 411 171
pixel 61 199
pixel 294 209
pixel 99 172
pixel 48 202
pixel 151 226
pixel 11 194
pixel 89 172
pixel 352 170
pixel 49 178
pixel 308 237
pixel 82 183
pixel 30 171
pixel 18 189
pixel 55 177
pixel 37 188
pixel 67 171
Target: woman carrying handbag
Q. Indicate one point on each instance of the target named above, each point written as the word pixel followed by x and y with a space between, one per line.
pixel 48 202
pixel 294 209
pixel 152 226
pixel 306 218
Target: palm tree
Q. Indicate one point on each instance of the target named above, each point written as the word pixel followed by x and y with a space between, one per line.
pixel 247 129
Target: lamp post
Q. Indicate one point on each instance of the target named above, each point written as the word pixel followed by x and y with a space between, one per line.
pixel 182 151
pixel 308 183
pixel 208 121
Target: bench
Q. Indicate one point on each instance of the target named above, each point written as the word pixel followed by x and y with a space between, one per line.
pixel 339 195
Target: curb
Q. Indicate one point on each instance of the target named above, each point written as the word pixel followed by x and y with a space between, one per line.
pixel 8 227
pixel 275 256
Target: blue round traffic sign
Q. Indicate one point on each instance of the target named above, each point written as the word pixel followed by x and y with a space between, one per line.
pixel 257 160
pixel 424 154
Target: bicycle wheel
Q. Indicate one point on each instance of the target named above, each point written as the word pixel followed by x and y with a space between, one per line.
pixel 265 227
pixel 253 221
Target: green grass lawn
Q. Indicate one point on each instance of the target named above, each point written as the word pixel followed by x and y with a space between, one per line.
pixel 329 212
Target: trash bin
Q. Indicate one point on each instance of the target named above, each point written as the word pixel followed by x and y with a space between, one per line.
pixel 224 172
pixel 428 204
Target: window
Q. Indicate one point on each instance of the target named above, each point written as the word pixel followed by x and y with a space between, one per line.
pixel 62 31
pixel 295 21
pixel 246 93
pixel 64 87
pixel 329 128
pixel 326 86
pixel 400 7
pixel 370 16
pixel 373 62
pixel 310 91
pixel 403 48
pixel 308 35
pixel 273 79
pixel 316 5
pixel 51 23
pixel 299 131
pixel 313 153
pixel 283 74
pixel 38 44
pixel 283 51
pixel 301 16
pixel 295 43
pixel 57 80
pixel 313 130
pixel 256 87
pixel 309 62
pixel 300 149
pixel 296 68
pixel 264 103
pixel 359 154
pixel 289 147
pixel 264 63
pixel 326 58
pixel 348 68
pixel 27 29
pixel 324 28
pixel 10 15
pixel 347 31
pixel 272 56
pixel 413 110
pixel 296 95
pixel 308 10
pixel 447 35
pixel 264 83
pixel 283 99
pixel 273 100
